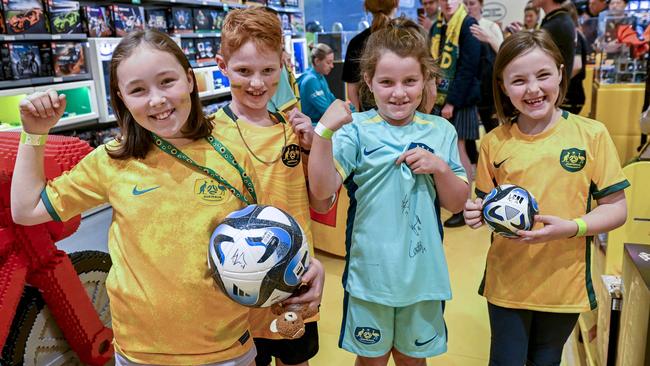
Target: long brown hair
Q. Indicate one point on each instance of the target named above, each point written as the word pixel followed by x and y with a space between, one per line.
pixel 405 38
pixel 381 11
pixel 514 46
pixel 135 140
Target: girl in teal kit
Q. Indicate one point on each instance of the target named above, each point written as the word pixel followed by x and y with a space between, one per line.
pixel 399 166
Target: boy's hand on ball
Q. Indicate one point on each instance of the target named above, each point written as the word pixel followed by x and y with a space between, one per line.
pixel 554 228
pixel 39 112
pixel 473 213
pixel 314 279
pixel 302 127
pixel 337 114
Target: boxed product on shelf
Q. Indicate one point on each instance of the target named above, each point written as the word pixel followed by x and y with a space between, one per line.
pixel 201 20
pixel 263 2
pixel 127 18
pixel 25 16
pixel 45 51
pixel 189 48
pixel 274 2
pixel 216 19
pixel 291 3
pixel 205 50
pixel 180 20
pixel 5 62
pixel 286 22
pixel 297 23
pixel 3 29
pixel 65 16
pixel 25 60
pixel 98 21
pixel 69 58
pixel 157 19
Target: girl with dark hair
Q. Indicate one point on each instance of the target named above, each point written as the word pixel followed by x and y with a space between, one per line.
pixel 165 307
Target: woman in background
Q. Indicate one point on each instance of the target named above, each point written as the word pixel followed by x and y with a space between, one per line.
pixel 315 94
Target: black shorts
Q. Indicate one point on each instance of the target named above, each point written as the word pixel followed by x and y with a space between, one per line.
pixel 289 351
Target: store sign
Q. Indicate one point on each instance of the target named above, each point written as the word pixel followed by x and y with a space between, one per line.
pixel 495 11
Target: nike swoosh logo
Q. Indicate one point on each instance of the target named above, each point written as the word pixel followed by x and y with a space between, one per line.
pixel 137 192
pixel 367 152
pixel 425 342
pixel 498 165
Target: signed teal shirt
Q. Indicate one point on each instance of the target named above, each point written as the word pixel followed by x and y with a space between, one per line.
pixel 394 233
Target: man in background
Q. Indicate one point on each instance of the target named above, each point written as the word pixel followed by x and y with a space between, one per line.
pixel 428 17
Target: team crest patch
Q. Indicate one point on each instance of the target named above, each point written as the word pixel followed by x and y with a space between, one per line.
pixel 367 335
pixel 573 160
pixel 421 145
pixel 210 191
pixel 291 155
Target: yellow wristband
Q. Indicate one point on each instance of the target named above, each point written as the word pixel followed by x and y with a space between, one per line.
pixel 322 131
pixel 582 227
pixel 33 140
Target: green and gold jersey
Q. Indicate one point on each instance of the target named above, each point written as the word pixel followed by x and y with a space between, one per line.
pixel 564 168
pixel 164 304
pixel 281 178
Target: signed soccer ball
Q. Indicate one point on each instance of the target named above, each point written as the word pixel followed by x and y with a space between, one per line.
pixel 508 208
pixel 258 255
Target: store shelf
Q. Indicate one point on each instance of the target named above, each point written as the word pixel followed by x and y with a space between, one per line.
pixel 15 83
pixel 43 37
pixel 224 5
pixel 214 93
pixel 199 35
pixel 285 9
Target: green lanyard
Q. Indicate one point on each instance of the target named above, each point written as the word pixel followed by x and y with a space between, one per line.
pixel 225 153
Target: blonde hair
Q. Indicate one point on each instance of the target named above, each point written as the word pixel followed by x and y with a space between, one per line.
pixel 381 11
pixel 320 51
pixel 257 24
pixel 404 38
pixel 514 46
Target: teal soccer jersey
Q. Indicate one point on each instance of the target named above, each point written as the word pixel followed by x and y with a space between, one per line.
pixel 394 234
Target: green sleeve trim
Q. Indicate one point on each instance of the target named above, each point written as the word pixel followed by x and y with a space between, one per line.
pixel 48 205
pixel 479 194
pixel 611 189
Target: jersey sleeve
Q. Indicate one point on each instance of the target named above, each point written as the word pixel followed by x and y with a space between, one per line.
pixel 345 148
pixel 607 175
pixel 80 189
pixel 484 179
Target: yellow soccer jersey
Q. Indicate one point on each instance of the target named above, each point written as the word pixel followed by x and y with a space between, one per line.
pixel 283 181
pixel 564 168
pixel 165 306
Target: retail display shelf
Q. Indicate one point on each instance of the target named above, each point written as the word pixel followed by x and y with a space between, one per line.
pixel 42 37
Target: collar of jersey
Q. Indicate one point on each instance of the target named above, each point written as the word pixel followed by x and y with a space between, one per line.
pixel 514 129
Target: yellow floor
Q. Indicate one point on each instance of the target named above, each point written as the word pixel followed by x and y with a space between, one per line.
pixel 466 314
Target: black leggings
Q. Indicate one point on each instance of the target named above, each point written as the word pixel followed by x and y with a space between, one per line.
pixel 533 338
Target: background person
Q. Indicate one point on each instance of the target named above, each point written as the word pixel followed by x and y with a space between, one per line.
pixel 315 94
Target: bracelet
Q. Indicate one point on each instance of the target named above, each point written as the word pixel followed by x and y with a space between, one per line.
pixel 582 227
pixel 32 140
pixel 322 131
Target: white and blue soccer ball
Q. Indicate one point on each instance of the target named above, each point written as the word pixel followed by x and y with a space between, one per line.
pixel 508 208
pixel 257 255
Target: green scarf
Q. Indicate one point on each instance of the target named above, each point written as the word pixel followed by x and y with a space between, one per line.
pixel 449 56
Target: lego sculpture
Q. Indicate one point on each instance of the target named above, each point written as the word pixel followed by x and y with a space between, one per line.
pixel 28 255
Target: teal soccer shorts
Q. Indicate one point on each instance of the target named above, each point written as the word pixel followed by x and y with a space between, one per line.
pixel 372 330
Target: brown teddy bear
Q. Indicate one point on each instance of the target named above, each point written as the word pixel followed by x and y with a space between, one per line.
pixel 289 322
